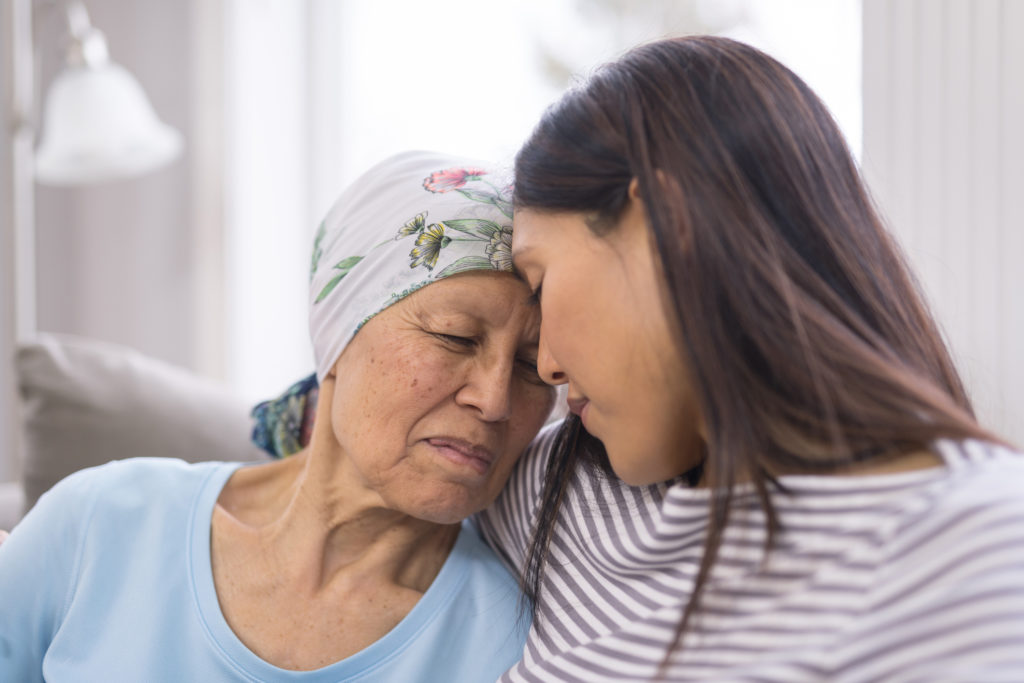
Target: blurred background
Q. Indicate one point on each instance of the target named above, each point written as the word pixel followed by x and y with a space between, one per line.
pixel 280 103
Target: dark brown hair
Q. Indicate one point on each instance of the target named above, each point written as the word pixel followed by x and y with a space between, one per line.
pixel 808 343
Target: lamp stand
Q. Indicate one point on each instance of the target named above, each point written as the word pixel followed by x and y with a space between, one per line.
pixel 19 258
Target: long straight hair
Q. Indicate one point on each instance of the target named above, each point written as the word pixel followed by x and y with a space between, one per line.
pixel 808 343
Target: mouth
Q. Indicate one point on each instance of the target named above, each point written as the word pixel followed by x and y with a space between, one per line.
pixel 578 406
pixel 463 453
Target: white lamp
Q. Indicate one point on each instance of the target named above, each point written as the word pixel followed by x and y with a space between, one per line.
pixel 98 126
pixel 97 123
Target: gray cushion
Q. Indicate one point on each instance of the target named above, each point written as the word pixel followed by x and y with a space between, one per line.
pixel 89 402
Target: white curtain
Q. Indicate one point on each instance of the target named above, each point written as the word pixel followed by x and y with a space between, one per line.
pixel 944 154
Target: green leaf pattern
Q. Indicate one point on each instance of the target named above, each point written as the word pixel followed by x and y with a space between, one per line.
pixel 432 238
pixel 318 250
pixel 345 265
pixel 464 264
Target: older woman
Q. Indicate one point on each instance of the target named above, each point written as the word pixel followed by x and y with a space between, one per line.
pixel 347 561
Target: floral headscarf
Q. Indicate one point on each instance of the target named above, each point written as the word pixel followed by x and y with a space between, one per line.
pixel 409 221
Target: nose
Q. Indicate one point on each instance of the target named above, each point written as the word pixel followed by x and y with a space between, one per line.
pixel 547 366
pixel 488 389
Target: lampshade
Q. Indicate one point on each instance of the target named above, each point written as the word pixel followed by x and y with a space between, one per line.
pixel 98 124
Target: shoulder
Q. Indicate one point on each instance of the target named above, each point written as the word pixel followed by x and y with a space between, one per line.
pixel 485 588
pixel 127 492
pixel 483 564
pixel 977 501
pixel 962 542
pixel 984 485
pixel 486 592
pixel 137 481
pixel 950 585
pixel 143 470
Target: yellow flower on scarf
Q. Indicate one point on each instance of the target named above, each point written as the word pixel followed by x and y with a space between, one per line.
pixel 428 246
pixel 414 226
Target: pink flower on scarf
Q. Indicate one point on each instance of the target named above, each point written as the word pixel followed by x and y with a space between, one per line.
pixel 451 179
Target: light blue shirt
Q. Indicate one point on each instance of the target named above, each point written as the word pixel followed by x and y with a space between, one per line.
pixel 109 579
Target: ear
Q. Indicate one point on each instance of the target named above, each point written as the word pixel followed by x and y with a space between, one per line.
pixel 670 194
pixel 634 190
pixel 636 210
pixel 632 226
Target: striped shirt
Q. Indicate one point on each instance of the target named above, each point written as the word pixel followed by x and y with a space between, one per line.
pixel 915 576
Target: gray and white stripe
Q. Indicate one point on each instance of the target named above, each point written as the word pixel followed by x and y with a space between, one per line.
pixel 917 576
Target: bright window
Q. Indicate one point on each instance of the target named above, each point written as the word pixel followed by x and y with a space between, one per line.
pixel 321 90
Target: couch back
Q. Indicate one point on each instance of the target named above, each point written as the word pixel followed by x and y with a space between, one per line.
pixel 87 402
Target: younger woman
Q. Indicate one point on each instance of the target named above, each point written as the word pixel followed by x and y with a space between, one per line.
pixel 773 472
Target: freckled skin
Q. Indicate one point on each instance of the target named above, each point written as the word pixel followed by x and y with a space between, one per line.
pixel 340 541
pixel 470 393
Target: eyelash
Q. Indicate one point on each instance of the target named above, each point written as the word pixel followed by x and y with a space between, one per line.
pixel 453 339
pixel 529 365
pixel 532 371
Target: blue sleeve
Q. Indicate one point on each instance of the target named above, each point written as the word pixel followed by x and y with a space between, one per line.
pixel 38 570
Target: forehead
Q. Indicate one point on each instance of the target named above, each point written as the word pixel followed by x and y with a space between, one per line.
pixel 536 229
pixel 531 231
pixel 492 297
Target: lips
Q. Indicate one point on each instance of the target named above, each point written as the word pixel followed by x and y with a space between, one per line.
pixel 463 452
pixel 576 405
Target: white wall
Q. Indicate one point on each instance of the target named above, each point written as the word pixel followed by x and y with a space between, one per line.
pixel 944 154
pixel 268 224
pixel 119 262
pixel 114 261
pixel 820 40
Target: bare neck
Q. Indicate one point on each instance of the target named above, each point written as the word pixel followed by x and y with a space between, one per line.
pixel 311 518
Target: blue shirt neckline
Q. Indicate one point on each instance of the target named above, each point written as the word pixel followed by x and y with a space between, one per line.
pixel 451 576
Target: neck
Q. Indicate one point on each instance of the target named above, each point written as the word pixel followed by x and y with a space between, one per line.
pixel 311 519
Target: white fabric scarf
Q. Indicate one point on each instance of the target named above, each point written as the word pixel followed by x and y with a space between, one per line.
pixel 411 220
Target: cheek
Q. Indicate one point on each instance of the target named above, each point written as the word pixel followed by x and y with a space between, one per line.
pixel 534 406
pixel 585 301
pixel 381 400
pixel 535 403
pixel 563 319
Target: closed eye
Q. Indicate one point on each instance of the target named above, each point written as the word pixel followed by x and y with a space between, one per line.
pixel 465 342
pixel 528 364
pixel 530 370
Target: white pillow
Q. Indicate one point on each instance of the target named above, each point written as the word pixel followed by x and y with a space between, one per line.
pixel 89 402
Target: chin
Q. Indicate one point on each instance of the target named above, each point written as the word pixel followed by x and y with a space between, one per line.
pixel 632 478
pixel 444 508
pixel 636 470
pixel 443 517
